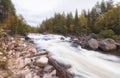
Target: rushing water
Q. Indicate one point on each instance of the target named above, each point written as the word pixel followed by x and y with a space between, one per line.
pixel 85 63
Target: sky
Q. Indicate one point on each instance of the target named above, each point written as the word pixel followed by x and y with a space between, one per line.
pixel 35 11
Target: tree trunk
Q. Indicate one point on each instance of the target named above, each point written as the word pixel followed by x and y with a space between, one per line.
pixel 61 72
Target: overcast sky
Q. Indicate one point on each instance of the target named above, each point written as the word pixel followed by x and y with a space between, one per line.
pixel 35 11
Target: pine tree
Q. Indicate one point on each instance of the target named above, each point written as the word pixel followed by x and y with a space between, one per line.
pixel 76 18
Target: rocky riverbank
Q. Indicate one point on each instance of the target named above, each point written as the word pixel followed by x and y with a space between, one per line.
pixel 20 59
pixel 93 42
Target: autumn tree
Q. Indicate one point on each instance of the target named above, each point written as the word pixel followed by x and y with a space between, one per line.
pixel 84 24
pixel 110 20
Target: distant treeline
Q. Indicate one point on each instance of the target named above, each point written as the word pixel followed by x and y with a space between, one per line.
pixel 10 21
pixel 102 19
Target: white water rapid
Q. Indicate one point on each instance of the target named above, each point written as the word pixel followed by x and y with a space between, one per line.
pixel 85 63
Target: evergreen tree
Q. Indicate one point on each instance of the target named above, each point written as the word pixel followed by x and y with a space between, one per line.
pixel 76 18
pixel 6 8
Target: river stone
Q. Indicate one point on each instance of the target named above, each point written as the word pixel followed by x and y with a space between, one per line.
pixel 50 75
pixel 93 44
pixel 33 50
pixel 42 61
pixel 10 46
pixel 107 44
pixel 18 76
pixel 27 60
pixel 48 68
pixel 1 53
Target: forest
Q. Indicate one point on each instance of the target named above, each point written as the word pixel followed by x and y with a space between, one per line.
pixel 9 20
pixel 103 19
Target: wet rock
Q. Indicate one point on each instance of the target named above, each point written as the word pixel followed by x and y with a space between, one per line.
pixel 42 61
pixel 67 66
pixel 107 44
pixel 93 44
pixel 27 38
pixel 62 38
pixel 48 69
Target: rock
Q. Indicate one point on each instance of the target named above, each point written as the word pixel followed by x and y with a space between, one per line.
pixel 26 60
pixel 43 61
pixel 3 74
pixel 62 38
pixel 18 76
pixel 118 46
pixel 93 35
pixel 93 44
pixel 1 53
pixel 67 66
pixel 36 76
pixel 27 38
pixel 22 39
pixel 107 44
pixel 10 46
pixel 50 75
pixel 48 69
pixel 3 58
pixel 33 50
pixel 20 63
pixel 1 77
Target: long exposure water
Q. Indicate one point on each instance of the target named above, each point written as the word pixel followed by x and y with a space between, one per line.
pixel 85 63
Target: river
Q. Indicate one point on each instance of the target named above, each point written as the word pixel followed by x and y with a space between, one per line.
pixel 85 63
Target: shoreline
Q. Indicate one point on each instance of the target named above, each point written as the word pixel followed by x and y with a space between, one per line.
pixel 24 61
pixel 84 41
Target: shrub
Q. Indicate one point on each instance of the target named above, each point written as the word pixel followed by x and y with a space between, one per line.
pixel 107 34
pixel 116 37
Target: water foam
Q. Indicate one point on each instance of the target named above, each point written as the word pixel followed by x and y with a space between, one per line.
pixel 85 64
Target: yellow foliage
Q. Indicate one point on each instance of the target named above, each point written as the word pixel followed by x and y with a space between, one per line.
pixel 83 20
pixel 10 21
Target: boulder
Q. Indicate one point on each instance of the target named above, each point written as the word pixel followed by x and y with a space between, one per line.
pixel 107 44
pixel 62 38
pixel 42 61
pixel 27 38
pixel 93 44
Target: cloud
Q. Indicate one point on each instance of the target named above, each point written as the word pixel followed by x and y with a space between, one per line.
pixel 35 11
